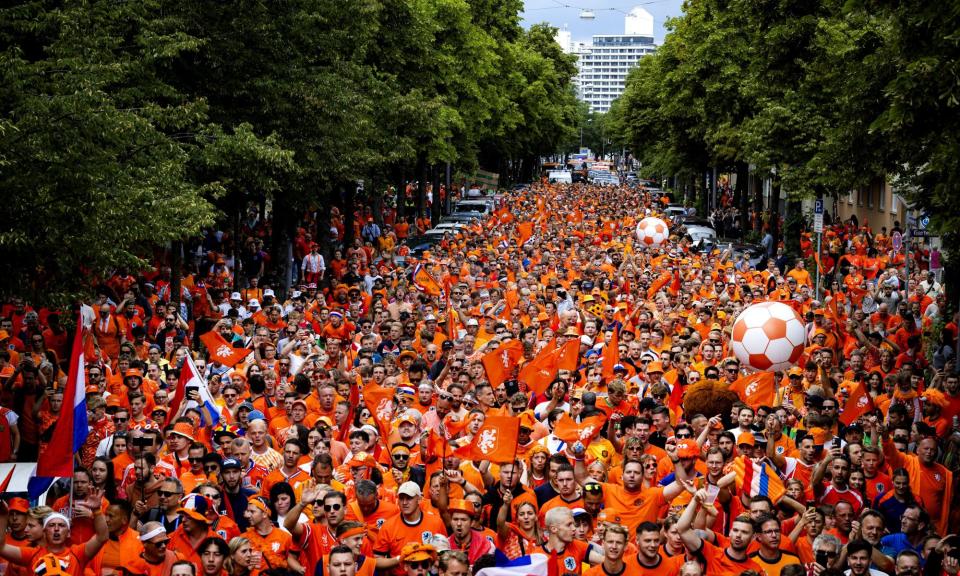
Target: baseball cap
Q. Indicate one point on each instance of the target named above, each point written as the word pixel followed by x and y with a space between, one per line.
pixel 579 512
pixel 746 438
pixel 231 463
pixel 411 489
pixel 417 552
pixel 18 505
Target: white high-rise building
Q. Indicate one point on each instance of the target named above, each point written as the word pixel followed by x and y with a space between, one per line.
pixel 603 64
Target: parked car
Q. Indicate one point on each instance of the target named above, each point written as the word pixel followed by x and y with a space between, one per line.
pixel 482 205
pixel 463 217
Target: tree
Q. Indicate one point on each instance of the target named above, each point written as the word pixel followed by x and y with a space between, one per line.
pixel 95 171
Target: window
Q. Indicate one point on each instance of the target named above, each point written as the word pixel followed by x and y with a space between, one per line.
pixel 882 199
pixel 850 197
pixel 859 197
pixel 870 196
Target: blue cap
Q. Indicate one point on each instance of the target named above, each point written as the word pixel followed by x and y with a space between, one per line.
pixel 230 463
pixel 255 415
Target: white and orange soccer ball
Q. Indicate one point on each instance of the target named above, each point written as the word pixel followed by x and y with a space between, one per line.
pixel 652 232
pixel 768 336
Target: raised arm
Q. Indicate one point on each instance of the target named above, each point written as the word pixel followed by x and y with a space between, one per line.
pixel 688 534
pixel 94 502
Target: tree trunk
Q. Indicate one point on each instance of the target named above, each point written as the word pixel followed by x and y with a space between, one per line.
pixel 775 211
pixel 435 205
pixel 237 215
pixel 282 248
pixel 176 272
pixel 349 195
pixel 740 199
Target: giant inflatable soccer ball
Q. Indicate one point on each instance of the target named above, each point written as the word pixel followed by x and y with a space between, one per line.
pixel 652 232
pixel 768 336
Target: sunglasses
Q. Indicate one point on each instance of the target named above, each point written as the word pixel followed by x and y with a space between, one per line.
pixel 401 456
pixel 195 459
pixel 684 436
pixel 211 468
pixel 331 507
pixel 166 494
pixel 593 488
pixel 421 564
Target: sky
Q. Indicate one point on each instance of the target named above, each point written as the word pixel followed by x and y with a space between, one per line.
pixel 562 13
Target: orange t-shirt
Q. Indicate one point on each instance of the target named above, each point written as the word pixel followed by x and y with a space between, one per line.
pixel 636 507
pixel 274 547
pixel 665 566
pixel 75 557
pixel 559 502
pixel 397 532
pixel 570 560
pixel 719 563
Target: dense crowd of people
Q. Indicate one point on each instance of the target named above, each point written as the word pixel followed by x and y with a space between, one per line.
pixel 339 427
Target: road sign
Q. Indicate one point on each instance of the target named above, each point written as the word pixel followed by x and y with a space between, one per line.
pixel 897 239
pixel 818 206
pixel 923 222
pixel 818 223
pixel 919 233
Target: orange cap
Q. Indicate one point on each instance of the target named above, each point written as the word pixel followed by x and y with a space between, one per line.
pixel 746 438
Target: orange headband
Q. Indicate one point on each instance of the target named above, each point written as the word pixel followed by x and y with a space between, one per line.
pixel 353 532
pixel 256 501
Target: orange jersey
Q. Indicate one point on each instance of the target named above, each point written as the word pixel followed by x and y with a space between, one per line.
pixel 385 510
pixel 397 532
pixel 931 485
pixel 274 547
pixel 635 507
pixel 664 566
pixel 719 563
pixel 569 560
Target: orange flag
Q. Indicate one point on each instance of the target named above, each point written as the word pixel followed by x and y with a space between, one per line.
pixel 542 370
pixel 757 389
pixel 425 282
pixel 658 284
pixel 675 283
pixel 496 441
pixel 675 401
pixel 500 363
pixel 611 356
pixel 570 431
pixel 569 355
pixel 452 330
pixel 858 404
pixel 379 401
pixel 525 229
pixel 221 351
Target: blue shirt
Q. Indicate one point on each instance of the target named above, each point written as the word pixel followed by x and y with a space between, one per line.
pixel 896 543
